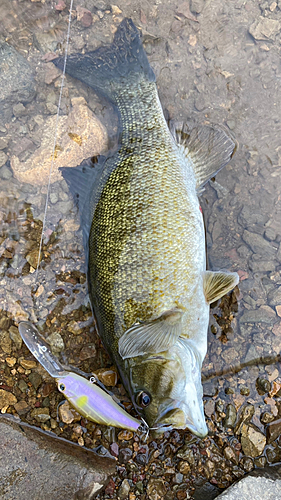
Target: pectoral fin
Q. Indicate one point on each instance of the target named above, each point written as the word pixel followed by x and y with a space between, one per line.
pixel 216 284
pixel 152 337
pixel 208 148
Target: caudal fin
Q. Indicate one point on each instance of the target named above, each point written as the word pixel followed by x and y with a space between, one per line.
pixel 109 67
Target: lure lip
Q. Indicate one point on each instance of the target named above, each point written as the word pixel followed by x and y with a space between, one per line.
pixel 40 349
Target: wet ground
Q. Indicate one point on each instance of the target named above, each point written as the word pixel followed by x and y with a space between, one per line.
pixel 215 62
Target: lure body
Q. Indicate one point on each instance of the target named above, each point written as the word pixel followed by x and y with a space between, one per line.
pixel 86 397
pixel 93 403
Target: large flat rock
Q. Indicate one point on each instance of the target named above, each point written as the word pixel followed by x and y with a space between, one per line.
pixel 262 484
pixel 36 464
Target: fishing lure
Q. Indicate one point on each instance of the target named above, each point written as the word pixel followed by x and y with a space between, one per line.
pixel 84 395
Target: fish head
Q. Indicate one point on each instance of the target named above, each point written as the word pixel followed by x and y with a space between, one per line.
pixel 167 391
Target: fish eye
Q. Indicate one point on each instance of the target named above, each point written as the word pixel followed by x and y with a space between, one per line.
pixel 62 387
pixel 143 399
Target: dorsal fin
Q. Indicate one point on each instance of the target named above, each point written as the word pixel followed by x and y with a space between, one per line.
pixel 209 149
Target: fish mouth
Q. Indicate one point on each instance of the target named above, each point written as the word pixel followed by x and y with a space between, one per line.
pixel 177 419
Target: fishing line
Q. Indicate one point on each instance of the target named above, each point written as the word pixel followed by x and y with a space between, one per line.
pixel 54 144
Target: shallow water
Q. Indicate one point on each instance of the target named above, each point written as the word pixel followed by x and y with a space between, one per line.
pixel 209 69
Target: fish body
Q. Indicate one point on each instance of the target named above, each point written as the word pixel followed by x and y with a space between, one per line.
pixel 144 236
pixel 86 397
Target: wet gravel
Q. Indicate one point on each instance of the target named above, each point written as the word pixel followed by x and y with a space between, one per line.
pixel 214 62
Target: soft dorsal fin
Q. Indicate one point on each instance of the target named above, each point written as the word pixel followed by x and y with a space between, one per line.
pixel 153 336
pixel 217 284
pixel 209 149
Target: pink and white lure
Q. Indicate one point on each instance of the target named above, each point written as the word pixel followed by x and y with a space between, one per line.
pixel 84 395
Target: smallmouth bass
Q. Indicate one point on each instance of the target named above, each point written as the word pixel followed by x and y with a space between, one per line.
pixel 144 236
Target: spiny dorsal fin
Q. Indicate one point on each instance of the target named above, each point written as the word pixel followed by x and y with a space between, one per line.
pixel 217 284
pixel 209 148
pixel 152 337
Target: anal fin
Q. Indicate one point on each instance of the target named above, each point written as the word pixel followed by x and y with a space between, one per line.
pixel 217 284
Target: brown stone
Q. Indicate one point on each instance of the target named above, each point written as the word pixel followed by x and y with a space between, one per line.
pixel 21 407
pixel 125 435
pixel 6 399
pixel 252 440
pixel 107 376
pixel 273 430
pixel 68 414
pixel 28 364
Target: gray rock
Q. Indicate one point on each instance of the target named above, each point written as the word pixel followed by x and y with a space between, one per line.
pixel 3 143
pixel 262 266
pixel 274 296
pixel 270 234
pixel 16 80
pixel 197 6
pixel 258 244
pixel 36 464
pixel 5 173
pixel 3 158
pixel 262 484
pixel 264 28
pixel 262 315
pixel 278 255
pixel 249 216
pixel 252 355
pixel 45 42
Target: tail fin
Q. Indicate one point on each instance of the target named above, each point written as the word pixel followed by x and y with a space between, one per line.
pixel 107 68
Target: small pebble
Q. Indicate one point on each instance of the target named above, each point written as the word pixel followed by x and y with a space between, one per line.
pixel 11 361
pixel 247 463
pixel 68 414
pixel 22 385
pixel 15 337
pixel 6 399
pixel 28 364
pixel 245 391
pixel 263 385
pixel 56 342
pixel 183 467
pixel 21 407
pixel 35 379
pixel 266 417
pixel 107 376
pixel 40 414
pixel 5 342
pixel 114 449
pixel 81 441
pixel 123 490
pixel 125 435
pixel 125 454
